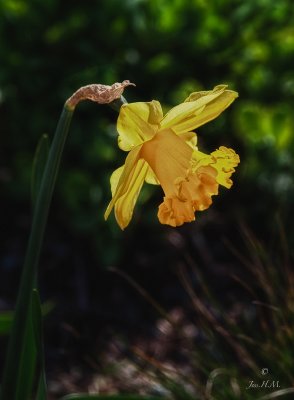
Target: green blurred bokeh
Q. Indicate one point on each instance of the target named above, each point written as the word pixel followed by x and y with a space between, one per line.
pixel 168 48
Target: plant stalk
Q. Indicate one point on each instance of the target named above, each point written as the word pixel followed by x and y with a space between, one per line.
pixel 29 274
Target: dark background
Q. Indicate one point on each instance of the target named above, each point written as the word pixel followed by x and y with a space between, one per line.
pixel 168 49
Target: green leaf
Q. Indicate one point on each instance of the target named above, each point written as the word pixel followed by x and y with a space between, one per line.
pixel 37 319
pixel 6 317
pixel 38 335
pixel 31 366
pixel 33 349
pixel 27 363
pixel 40 159
pixel 17 340
pixel 42 387
pixel 5 322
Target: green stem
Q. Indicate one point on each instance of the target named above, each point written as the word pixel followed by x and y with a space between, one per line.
pixel 116 104
pixel 16 341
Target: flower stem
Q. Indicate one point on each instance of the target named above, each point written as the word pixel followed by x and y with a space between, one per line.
pixel 29 274
pixel 116 104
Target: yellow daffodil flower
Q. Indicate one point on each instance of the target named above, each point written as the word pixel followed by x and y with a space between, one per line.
pixel 162 150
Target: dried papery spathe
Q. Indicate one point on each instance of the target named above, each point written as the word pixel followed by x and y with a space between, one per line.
pixel 102 94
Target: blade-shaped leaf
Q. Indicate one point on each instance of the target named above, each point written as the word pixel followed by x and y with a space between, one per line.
pixel 31 369
pixel 27 363
pixel 38 335
pixel 5 322
pixel 16 344
pixel 6 317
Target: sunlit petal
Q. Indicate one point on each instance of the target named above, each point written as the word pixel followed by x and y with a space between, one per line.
pixel 223 160
pixel 137 122
pixel 198 109
pixel 114 179
pixel 151 178
pixel 204 93
pixel 125 204
pixel 169 157
pixel 122 178
pixel 190 138
pixel 175 212
pixel 194 194
pixel 198 187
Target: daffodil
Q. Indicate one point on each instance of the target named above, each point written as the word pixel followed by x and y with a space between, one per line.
pixel 162 150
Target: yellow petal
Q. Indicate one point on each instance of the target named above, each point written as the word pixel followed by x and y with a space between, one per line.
pixel 198 187
pixel 169 157
pixel 124 206
pixel 151 178
pixel 175 212
pixel 121 179
pixel 198 109
pixel 194 193
pixel 190 138
pixel 137 122
pixel 179 116
pixel 197 95
pixel 223 160
pixel 114 179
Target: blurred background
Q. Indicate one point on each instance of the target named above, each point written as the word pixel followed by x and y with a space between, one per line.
pixel 185 312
